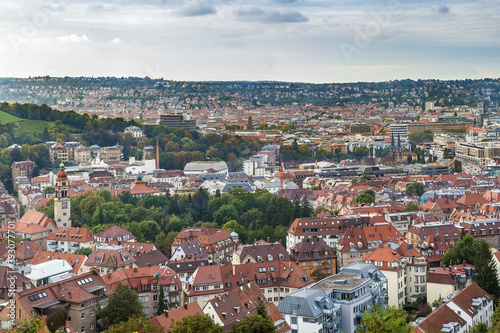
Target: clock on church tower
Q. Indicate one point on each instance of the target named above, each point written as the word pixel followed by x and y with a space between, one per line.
pixel 62 215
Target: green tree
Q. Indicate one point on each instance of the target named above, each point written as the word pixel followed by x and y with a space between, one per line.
pixel 411 207
pixel 162 307
pixel 458 166
pixel 318 274
pixel 365 197
pixel 84 250
pixel 122 298
pixel 261 309
pixel 495 317
pixel 135 229
pixel 49 190
pixel 415 189
pixel 134 325
pixel 478 328
pixel 384 320
pixel 149 229
pixel 446 154
pixel 29 325
pixel 253 324
pixel 197 323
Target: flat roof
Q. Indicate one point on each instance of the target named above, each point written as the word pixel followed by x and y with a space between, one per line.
pixel 340 281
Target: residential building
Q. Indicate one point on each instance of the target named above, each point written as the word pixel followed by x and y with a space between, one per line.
pixel 330 228
pixel 24 252
pixel 146 282
pixel 58 152
pixel 444 319
pixel 358 242
pixel 444 281
pixel 82 292
pixel 32 216
pixel 433 240
pixel 311 310
pixel 185 268
pixel 275 279
pixel 313 253
pixel 50 272
pixel 110 154
pixel 136 132
pixel 69 240
pixel 115 234
pixel 166 320
pixel 401 221
pixel 259 252
pixel 471 305
pixel 218 243
pixel 7 213
pixel 27 231
pixel 108 259
pixel 235 305
pixel 22 169
pixel 76 261
pixel 355 288
pixel 405 270
pixel 8 278
pixel 82 154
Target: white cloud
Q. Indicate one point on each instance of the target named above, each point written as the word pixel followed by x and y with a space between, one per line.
pixel 73 39
pixel 116 40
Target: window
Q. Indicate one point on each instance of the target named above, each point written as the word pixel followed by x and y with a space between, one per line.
pixel 145 310
pixel 83 315
pixel 294 320
pixel 82 330
pixel 154 287
pixel 155 298
pixel 92 312
pixel 83 305
pixel 144 288
pixel 92 326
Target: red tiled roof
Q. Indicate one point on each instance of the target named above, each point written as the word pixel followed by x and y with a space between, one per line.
pixel 165 320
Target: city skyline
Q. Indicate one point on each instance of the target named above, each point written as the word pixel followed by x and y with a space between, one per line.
pixel 283 40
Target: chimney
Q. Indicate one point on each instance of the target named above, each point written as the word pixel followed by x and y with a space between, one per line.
pixel 268 239
pixel 166 314
pixel 157 154
pixel 449 269
pixel 234 270
pixel 109 275
pixel 185 306
pixel 465 264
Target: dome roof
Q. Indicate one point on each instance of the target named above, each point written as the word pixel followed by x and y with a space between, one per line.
pixel 234 234
pixel 61 175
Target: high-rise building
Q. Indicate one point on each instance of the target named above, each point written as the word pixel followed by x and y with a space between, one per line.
pixel 399 130
pixel 178 120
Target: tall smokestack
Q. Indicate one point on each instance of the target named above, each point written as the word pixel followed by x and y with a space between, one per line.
pixel 157 155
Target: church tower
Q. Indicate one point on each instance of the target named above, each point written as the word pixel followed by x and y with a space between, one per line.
pixel 62 215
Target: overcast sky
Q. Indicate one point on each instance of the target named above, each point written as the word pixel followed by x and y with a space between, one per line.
pixel 286 40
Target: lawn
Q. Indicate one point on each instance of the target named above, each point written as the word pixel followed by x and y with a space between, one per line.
pixel 6 118
pixel 37 126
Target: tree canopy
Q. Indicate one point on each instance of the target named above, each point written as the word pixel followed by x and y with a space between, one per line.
pixel 197 323
pixel 253 324
pixel 122 298
pixel 365 197
pixel 381 320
